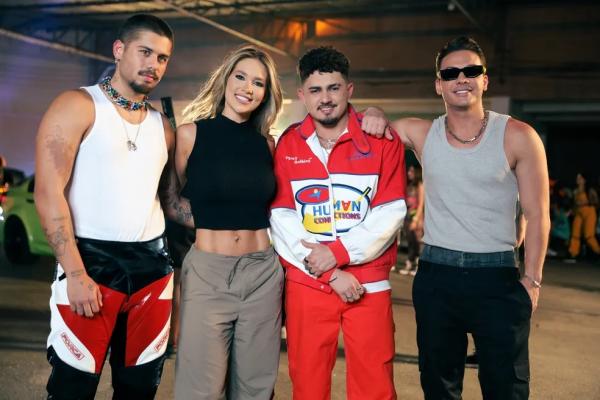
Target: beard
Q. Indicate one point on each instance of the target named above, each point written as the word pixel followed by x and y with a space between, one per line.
pixel 143 88
pixel 332 121
pixel 140 88
pixel 329 122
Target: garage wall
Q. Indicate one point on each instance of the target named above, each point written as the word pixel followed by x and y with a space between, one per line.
pixel 533 52
pixel 30 77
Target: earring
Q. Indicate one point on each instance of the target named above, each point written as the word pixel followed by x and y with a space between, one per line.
pixel 117 60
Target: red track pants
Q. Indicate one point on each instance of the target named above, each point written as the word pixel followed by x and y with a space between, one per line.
pixel 314 319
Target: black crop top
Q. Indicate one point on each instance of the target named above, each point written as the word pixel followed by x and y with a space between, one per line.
pixel 230 179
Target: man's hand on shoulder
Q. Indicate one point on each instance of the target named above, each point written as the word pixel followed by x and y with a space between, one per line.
pixel 375 123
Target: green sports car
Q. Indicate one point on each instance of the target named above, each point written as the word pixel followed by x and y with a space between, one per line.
pixel 21 234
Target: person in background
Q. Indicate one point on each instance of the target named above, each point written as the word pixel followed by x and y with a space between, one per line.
pixel 560 229
pixel 412 227
pixel 584 221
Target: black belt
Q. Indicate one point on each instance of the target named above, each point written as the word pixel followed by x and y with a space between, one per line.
pixel 125 266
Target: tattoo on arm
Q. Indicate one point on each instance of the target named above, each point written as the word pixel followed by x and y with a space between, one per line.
pixel 59 150
pixel 175 206
pixel 76 273
pixel 182 209
pixel 58 240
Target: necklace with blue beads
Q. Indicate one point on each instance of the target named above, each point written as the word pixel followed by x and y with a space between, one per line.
pixel 119 100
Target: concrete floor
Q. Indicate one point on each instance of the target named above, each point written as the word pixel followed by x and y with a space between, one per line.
pixel 564 343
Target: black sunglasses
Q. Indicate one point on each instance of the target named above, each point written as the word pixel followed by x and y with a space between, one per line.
pixel 472 71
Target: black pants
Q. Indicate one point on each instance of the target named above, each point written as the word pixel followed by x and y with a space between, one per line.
pixel 494 307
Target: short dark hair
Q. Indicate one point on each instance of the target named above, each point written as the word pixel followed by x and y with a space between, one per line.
pixel 456 44
pixel 323 59
pixel 144 22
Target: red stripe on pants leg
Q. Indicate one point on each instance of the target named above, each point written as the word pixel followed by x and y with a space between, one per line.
pixel 93 333
pixel 148 322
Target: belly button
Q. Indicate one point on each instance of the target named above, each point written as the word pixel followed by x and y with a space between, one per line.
pixel 236 238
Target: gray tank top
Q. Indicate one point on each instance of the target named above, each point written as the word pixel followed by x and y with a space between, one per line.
pixel 470 194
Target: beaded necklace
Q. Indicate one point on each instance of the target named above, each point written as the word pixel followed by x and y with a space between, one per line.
pixel 119 100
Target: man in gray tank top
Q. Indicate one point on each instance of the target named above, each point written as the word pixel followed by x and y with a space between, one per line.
pixel 476 165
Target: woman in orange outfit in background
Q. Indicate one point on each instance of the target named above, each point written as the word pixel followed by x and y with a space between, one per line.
pixel 584 223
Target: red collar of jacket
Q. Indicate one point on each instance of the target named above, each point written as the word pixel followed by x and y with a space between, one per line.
pixel 307 127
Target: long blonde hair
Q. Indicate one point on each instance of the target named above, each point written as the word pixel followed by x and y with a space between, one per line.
pixel 211 99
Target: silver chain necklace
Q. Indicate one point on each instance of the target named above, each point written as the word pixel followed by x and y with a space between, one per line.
pixel 131 144
pixel 328 143
pixel 474 138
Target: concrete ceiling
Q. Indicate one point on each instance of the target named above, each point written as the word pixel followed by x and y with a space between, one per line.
pixel 536 49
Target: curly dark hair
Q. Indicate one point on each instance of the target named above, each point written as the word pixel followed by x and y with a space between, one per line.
pixel 323 59
pixel 456 44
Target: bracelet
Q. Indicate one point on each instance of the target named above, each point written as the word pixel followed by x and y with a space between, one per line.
pixel 332 279
pixel 534 283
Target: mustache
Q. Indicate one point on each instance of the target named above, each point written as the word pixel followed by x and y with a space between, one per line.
pixel 330 104
pixel 149 72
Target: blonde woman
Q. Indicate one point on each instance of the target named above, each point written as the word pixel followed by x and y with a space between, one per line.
pixel 231 279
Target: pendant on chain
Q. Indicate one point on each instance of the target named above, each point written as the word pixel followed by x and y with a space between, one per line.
pixel 131 146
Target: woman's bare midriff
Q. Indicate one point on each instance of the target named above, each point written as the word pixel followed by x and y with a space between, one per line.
pixel 232 243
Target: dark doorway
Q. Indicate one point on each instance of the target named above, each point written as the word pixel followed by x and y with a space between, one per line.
pixel 573 148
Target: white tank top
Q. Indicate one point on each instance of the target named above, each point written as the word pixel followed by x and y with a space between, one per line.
pixel 470 194
pixel 113 191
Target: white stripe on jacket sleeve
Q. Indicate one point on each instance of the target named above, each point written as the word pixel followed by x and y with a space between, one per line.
pixel 369 239
pixel 286 232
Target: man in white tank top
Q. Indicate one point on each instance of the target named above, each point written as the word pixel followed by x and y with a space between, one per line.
pixel 476 165
pixel 101 152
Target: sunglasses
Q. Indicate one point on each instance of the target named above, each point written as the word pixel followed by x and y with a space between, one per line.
pixel 472 71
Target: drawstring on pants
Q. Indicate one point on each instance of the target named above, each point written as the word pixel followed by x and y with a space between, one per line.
pixel 254 257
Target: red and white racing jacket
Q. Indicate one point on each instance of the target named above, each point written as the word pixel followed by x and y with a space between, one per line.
pixel 353 201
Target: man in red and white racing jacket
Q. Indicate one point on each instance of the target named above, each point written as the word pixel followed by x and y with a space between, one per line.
pixel 339 204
